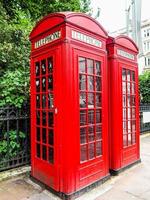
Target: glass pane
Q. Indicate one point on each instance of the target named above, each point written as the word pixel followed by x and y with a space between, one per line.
pixel 124 100
pixel 82 84
pixel 125 125
pixel 98 84
pixel 50 101
pixel 90 83
pixel 125 140
pixel 43 66
pixel 50 119
pixel 97 68
pixel 50 82
pixel 129 139
pixel 124 113
pixel 98 132
pixel 124 87
pixel 133 76
pixel 128 75
pixel 98 148
pixel 37 68
pixel 44 135
pixel 133 101
pixel 90 66
pixel 133 113
pixel 38 117
pixel 83 153
pixel 133 138
pixel 133 88
pixel 91 151
pixel 82 65
pixel 91 133
pixel 129 126
pixel 98 100
pixel 43 101
pixel 90 100
pixel 82 135
pixel 44 84
pixel 38 134
pixel 129 113
pixel 51 137
pixel 38 150
pixel 44 118
pixel 82 100
pixel 82 117
pixel 90 116
pixel 98 116
pixel 37 85
pixel 133 126
pixel 129 101
pixel 44 153
pixel 123 74
pixel 38 101
pixel 51 155
pixel 50 65
pixel 128 88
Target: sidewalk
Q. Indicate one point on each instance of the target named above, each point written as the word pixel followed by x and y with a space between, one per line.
pixel 133 184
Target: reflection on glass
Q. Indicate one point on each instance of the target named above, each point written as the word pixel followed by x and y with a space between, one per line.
pixel 133 88
pixel 97 68
pixel 133 76
pixel 124 87
pixel 43 84
pixel 44 153
pixel 124 100
pixel 91 133
pixel 90 83
pixel 133 138
pixel 123 74
pixel 128 75
pixel 98 116
pixel 38 117
pixel 50 119
pixel 98 148
pixel 129 139
pixel 43 63
pixel 98 132
pixel 129 126
pixel 82 84
pixel 82 117
pixel 133 113
pixel 50 82
pixel 133 100
pixel 38 101
pixel 128 88
pixel 43 101
pixel 82 100
pixel 38 134
pixel 50 101
pixel 98 84
pixel 124 113
pixel 90 100
pixel 82 135
pixel 37 85
pixel 90 66
pixel 125 140
pixel 44 135
pixel 98 100
pixel 129 101
pixel 91 151
pixel 90 116
pixel 51 137
pixel 129 113
pixel 133 126
pixel 43 118
pixel 83 153
pixel 125 125
pixel 51 155
pixel 50 65
pixel 82 65
pixel 37 68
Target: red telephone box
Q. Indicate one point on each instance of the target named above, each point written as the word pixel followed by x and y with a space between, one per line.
pixel 69 122
pixel 123 101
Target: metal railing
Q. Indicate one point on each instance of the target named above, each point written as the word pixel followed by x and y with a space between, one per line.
pixel 14 137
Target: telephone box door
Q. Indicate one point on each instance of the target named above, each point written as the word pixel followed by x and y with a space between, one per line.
pixel 44 114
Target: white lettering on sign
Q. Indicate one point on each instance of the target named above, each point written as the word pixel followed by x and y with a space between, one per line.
pixel 125 54
pixel 86 39
pixel 48 39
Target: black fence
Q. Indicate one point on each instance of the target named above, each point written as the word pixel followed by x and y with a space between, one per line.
pixel 14 137
pixel 144 127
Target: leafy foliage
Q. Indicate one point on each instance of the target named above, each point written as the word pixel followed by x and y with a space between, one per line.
pixel 145 87
pixel 17 18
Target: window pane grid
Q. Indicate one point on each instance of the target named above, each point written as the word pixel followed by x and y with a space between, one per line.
pixel 90 99
pixel 44 110
pixel 129 109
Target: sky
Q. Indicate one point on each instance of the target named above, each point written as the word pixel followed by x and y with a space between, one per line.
pixel 112 16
